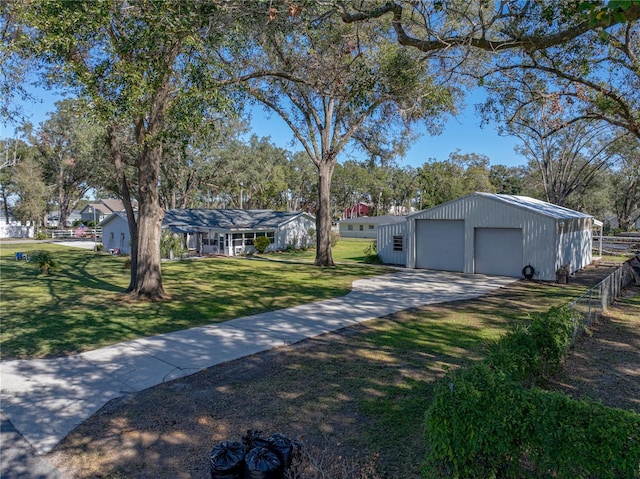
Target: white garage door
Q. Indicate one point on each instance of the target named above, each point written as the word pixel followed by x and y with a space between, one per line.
pixel 440 244
pixel 498 251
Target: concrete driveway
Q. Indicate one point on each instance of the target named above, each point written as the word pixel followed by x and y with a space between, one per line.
pixel 46 398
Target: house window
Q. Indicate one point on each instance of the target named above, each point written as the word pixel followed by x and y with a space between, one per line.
pixel 350 227
pixel 237 239
pixel 361 227
pixel 371 227
pixel 397 243
pixel 268 234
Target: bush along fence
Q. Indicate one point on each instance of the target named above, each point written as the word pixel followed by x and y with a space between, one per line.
pixel 491 421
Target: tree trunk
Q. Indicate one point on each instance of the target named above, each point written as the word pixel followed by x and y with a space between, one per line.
pixel 5 205
pixel 323 215
pixel 128 206
pixel 149 274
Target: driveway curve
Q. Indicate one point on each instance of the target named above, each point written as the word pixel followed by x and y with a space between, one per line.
pixel 47 398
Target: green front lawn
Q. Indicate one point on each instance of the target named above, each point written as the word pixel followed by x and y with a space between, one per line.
pixel 80 307
pixel 347 250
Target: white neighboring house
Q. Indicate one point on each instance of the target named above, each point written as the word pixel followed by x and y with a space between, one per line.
pixel 366 226
pixel 492 234
pixel 231 232
pixel 53 219
pixel 115 233
pixel 10 227
pixel 102 209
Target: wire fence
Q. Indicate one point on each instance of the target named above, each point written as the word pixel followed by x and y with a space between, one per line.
pixel 591 305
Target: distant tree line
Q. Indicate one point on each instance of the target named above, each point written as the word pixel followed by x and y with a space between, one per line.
pixel 165 84
pixel 55 167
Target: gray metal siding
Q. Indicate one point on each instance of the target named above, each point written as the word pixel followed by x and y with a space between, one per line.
pixel 574 244
pixel 385 243
pixel 539 231
pixel 441 244
pixel 498 251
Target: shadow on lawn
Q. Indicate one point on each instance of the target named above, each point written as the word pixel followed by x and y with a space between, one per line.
pixel 349 396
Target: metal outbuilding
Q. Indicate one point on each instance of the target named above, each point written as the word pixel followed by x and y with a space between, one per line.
pixel 493 234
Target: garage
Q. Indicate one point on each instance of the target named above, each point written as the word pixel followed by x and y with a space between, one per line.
pixel 495 234
pixel 498 251
pixel 442 245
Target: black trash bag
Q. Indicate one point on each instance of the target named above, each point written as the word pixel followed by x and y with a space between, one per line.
pixel 283 447
pixel 262 463
pixel 254 439
pixel 226 461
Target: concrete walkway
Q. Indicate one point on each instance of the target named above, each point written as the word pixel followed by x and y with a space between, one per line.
pixel 46 398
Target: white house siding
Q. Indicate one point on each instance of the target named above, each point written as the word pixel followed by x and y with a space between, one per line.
pixel 115 234
pixel 16 231
pixel 362 229
pixel 541 246
pixel 295 232
pixel 385 242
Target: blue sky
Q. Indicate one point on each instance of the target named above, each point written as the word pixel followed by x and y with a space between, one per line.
pixel 462 132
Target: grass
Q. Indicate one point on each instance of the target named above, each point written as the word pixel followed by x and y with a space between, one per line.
pixel 361 393
pixel 347 250
pixel 80 306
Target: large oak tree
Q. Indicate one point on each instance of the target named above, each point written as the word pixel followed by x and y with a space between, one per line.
pixel 134 62
pixel 336 84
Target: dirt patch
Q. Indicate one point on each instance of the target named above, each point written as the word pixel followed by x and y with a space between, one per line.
pixel 604 365
pixel 313 391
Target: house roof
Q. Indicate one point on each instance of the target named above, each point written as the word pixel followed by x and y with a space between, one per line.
pixel 190 220
pixel 376 220
pixel 99 208
pixel 113 216
pixel 109 206
pixel 113 205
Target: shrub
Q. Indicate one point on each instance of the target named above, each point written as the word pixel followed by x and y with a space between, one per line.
pixel 581 438
pixel 530 352
pixel 371 254
pixel 41 235
pixel 484 422
pixel 471 425
pixel 99 247
pixel 44 261
pixel 515 354
pixel 261 243
pixel 171 244
pixel 335 237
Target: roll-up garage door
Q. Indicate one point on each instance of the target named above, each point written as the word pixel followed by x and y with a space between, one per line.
pixel 440 244
pixel 498 251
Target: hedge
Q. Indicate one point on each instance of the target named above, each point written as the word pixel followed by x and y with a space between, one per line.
pixel 486 421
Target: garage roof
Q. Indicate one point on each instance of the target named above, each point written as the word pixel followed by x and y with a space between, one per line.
pixel 538 206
